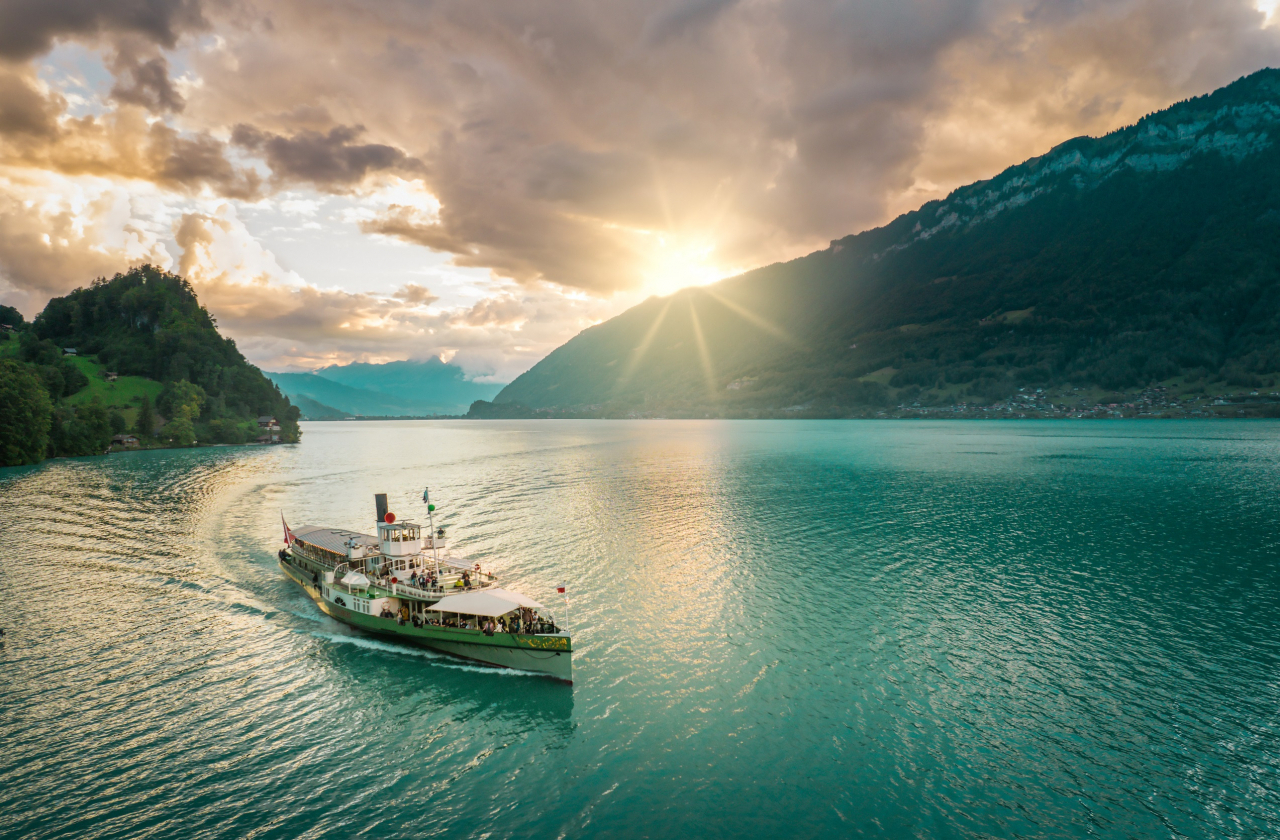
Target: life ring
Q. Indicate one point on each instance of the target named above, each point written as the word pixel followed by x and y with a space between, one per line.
pixel 477 567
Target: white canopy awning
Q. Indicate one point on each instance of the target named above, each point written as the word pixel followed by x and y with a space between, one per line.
pixel 522 600
pixel 475 603
pixel 355 579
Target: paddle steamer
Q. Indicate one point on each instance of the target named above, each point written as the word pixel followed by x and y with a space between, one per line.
pixel 403 583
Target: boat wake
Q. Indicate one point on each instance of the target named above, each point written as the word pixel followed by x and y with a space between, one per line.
pixel 440 659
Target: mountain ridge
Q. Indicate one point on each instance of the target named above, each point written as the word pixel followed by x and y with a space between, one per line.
pixel 393 389
pixel 1147 255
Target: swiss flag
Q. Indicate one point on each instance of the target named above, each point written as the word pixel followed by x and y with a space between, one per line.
pixel 288 535
pixel 560 589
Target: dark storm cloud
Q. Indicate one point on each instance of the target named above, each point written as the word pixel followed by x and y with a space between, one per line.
pixel 29 27
pixel 329 161
pixel 145 83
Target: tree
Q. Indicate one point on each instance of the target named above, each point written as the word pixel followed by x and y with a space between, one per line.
pixel 147 322
pixel 79 431
pixel 181 399
pixel 180 431
pixel 11 316
pixel 119 425
pixel 229 431
pixel 94 427
pixel 145 425
pixel 25 410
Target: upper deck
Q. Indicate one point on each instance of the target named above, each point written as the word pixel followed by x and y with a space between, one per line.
pixel 390 563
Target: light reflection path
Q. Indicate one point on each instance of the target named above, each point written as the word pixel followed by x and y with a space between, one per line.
pixel 784 629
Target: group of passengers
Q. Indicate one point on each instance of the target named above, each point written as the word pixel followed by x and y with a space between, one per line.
pixel 523 620
pixel 423 580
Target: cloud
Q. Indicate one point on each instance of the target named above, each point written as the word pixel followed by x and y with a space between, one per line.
pixel 561 139
pixel 328 161
pixel 144 81
pixel 604 148
pixel 504 311
pixel 680 17
pixel 415 295
pixel 29 27
pixel 282 322
pixel 58 233
pixel 25 110
pixel 121 144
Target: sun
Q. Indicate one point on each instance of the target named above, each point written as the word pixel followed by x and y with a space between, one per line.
pixel 673 263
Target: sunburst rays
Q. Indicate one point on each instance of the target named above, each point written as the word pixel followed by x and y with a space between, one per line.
pixel 637 355
pixel 747 315
pixel 703 351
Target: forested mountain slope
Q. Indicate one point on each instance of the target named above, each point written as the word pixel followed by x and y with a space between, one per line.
pixel 174 380
pixel 1149 255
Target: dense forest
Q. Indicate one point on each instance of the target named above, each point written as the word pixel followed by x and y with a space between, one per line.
pixel 134 354
pixel 1148 257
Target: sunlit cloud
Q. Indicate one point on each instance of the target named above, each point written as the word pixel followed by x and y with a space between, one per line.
pixel 1268 9
pixel 343 182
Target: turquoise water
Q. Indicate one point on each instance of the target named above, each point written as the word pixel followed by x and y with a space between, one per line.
pixel 792 629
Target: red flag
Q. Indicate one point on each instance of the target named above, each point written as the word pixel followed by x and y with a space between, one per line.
pixel 560 589
pixel 288 535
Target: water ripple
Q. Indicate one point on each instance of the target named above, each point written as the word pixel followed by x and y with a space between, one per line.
pixel 786 629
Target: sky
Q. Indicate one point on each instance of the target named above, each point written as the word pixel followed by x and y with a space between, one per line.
pixel 375 180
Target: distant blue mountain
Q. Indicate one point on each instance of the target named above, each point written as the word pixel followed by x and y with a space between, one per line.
pixel 392 389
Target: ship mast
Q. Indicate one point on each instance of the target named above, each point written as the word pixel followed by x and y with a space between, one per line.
pixel 431 523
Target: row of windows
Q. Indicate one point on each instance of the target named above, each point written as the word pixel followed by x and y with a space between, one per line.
pixel 358 604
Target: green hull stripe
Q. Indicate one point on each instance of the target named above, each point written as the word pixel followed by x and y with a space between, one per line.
pixel 547 654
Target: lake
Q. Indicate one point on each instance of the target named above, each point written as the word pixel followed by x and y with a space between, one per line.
pixel 783 629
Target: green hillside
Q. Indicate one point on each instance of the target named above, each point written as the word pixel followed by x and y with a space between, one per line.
pixel 1145 261
pixel 174 380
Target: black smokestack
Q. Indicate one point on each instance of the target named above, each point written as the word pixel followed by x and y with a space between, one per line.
pixel 380 499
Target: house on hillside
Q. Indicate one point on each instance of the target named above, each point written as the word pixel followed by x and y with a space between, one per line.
pixel 124 442
pixel 270 430
pixel 68 351
pixel 111 376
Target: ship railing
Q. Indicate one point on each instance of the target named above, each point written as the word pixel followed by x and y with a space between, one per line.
pixel 540 628
pixel 449 575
